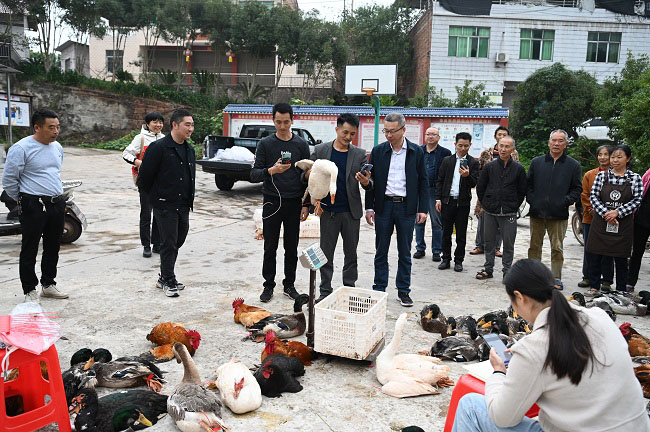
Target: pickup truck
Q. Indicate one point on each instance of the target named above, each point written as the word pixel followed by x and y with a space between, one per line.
pixel 227 172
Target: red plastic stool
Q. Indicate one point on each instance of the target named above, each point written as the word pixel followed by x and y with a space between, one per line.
pixel 469 384
pixel 33 388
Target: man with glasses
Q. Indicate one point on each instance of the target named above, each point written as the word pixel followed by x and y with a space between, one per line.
pixel 396 199
pixel 554 184
pixel 433 156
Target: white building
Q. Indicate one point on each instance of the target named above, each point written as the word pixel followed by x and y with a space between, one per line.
pixel 74 57
pixel 518 37
pixel 14 45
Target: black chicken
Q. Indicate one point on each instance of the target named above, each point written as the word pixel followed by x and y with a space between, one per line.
pixel 277 375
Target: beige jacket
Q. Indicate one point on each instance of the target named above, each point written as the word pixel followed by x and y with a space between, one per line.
pixel 608 398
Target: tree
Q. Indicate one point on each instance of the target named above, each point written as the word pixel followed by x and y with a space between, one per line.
pixel 551 98
pixel 471 96
pixel 287 26
pixel 84 19
pixel 122 20
pixel 429 96
pixel 217 26
pixel 632 126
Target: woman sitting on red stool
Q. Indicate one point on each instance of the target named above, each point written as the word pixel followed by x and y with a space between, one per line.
pixel 575 366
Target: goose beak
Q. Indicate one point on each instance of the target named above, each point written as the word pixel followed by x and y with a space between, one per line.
pixel 333 197
pixel 144 421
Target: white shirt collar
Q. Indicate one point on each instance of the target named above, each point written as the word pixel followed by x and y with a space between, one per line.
pixel 403 148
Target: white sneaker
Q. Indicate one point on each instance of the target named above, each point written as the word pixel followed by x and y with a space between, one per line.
pixel 52 291
pixel 32 297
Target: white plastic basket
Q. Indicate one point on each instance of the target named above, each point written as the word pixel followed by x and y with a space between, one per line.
pixel 350 322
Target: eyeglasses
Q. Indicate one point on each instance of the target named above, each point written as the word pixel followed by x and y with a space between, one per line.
pixel 391 131
pixel 431 134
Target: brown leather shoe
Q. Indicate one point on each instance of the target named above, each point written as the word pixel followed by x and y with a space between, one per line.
pixel 498 253
pixel 476 251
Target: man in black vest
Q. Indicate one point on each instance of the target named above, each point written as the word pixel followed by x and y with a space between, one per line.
pixel 456 178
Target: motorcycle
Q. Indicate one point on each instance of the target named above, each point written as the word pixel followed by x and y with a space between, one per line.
pixel 74 221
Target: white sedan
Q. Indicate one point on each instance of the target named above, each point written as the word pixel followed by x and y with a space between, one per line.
pixel 595 129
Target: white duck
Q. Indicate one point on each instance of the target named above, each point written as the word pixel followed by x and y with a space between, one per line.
pixel 193 407
pixel 322 179
pixel 238 388
pixel 406 375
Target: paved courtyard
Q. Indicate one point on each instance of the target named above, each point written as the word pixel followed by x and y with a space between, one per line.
pixel 113 302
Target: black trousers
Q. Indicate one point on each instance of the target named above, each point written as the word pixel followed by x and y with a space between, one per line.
pixel 641 235
pixel 288 214
pixel 148 230
pixel 37 221
pixel 173 225
pixel 599 262
pixel 453 215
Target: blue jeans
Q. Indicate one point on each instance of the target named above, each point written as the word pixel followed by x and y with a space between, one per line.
pixel 472 416
pixel 436 228
pixel 392 216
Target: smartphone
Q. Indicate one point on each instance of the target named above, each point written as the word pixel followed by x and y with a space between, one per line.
pixel 366 168
pixel 285 157
pixel 494 341
pixel 463 163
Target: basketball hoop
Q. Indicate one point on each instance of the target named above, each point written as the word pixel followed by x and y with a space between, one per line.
pixel 368 90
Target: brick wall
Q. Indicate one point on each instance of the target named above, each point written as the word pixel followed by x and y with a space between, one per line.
pixel 421 40
pixel 92 115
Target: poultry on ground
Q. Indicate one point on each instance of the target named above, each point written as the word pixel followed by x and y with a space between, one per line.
pixel 462 347
pixel 274 345
pixel 277 375
pixel 165 335
pixel 491 316
pixel 322 180
pixel 193 407
pixel 238 388
pixel 127 372
pixel 406 375
pixel 642 373
pixel 637 344
pixel 123 410
pixel 284 326
pixel 247 315
pixel 433 320
pixel 578 298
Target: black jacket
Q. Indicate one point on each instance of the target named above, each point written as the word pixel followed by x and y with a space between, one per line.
pixel 417 186
pixel 446 177
pixel 162 172
pixel 553 186
pixel 501 189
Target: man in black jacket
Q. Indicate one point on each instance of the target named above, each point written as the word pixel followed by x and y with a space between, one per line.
pixel 396 200
pixel 501 189
pixel 456 178
pixel 553 186
pixel 167 176
pixel 275 159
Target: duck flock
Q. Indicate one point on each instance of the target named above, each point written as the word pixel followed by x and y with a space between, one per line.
pixel 196 405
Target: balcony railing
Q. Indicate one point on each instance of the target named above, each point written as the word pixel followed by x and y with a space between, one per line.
pixel 560 3
pixel 263 80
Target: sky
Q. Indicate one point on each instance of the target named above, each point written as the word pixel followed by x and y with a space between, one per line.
pixel 332 9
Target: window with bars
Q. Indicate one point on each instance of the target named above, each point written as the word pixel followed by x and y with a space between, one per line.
pixel 468 41
pixel 603 47
pixel 536 44
pixel 114 60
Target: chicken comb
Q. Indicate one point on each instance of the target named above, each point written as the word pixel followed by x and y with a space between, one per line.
pixel 238 301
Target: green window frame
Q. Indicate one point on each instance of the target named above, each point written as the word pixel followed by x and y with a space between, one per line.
pixel 536 44
pixel 603 47
pixel 468 41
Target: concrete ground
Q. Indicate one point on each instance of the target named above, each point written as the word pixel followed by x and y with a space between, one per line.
pixel 113 302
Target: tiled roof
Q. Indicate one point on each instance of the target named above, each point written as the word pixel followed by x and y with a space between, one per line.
pixel 369 111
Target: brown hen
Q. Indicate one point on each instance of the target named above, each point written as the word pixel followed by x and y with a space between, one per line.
pixel 299 350
pixel 166 334
pixel 248 315
pixel 637 344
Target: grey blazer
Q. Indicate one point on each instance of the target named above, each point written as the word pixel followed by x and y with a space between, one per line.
pixel 356 159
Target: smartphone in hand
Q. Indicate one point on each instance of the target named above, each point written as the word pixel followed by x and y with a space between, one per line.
pixel 366 169
pixel 494 341
pixel 285 157
pixel 463 163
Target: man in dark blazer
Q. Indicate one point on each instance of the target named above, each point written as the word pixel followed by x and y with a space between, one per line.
pixel 397 198
pixel 344 216
pixel 456 178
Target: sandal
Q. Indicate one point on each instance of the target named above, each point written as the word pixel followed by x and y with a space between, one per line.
pixel 558 285
pixel 483 275
pixel 498 253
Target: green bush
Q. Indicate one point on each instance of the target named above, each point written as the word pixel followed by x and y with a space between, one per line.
pixel 117 144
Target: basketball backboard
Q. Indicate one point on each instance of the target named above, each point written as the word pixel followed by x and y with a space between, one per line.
pixel 374 79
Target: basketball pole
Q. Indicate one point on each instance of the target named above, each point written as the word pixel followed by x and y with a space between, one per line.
pixel 377 105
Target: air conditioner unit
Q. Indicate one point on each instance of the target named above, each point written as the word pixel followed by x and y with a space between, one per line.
pixel 502 57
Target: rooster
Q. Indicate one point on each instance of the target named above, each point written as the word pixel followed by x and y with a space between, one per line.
pixel 299 350
pixel 637 344
pixel 248 315
pixel 165 335
pixel 278 373
pixel 642 373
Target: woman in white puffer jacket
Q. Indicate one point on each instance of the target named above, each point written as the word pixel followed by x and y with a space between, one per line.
pixel 151 131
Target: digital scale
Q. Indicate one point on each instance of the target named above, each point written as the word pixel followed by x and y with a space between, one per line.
pixel 312 258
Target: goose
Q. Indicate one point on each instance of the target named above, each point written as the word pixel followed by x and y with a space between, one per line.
pixel 193 407
pixel 322 180
pixel 406 375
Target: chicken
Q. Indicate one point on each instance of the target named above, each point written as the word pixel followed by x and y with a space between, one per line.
pixel 637 344
pixel 322 180
pixel 238 388
pixel 406 375
pixel 275 345
pixel 248 315
pixel 642 373
pixel 165 335
pixel 277 375
pixel 284 326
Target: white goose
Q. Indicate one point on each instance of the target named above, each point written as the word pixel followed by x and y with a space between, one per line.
pixel 193 407
pixel 406 375
pixel 322 179
pixel 238 388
